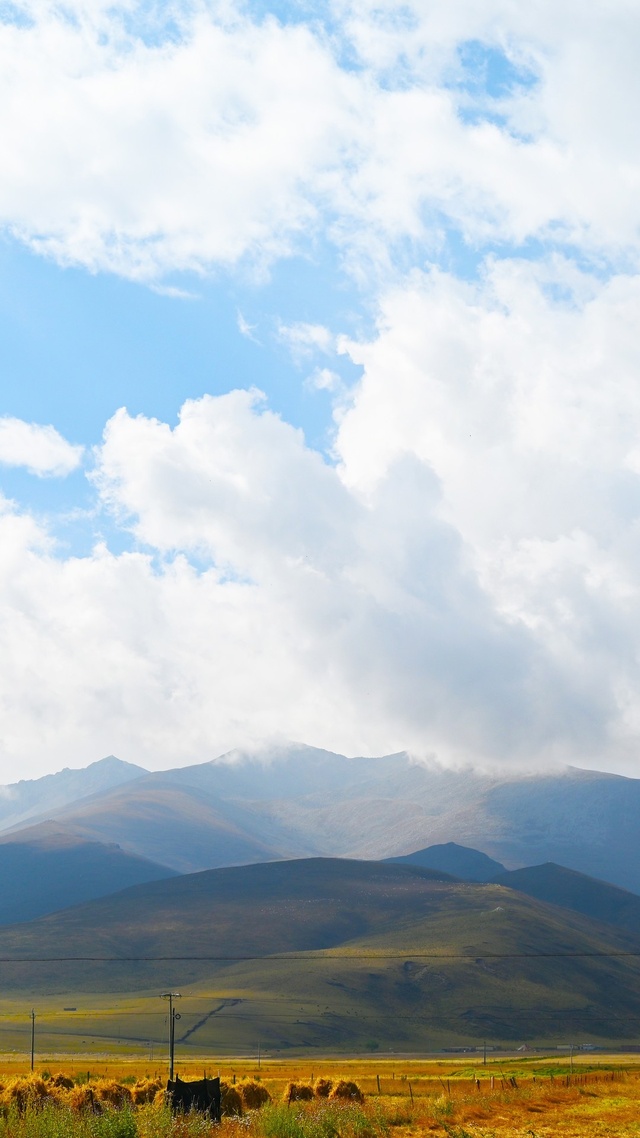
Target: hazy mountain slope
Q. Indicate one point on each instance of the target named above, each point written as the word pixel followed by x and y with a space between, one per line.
pixel 396 954
pixel 176 825
pixel 32 798
pixel 585 820
pixel 468 864
pixel 294 801
pixel 47 867
pixel 565 887
pixel 297 801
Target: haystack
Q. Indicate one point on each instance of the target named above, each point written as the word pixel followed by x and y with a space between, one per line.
pixel 145 1090
pixel 21 1093
pixel 230 1100
pixel 298 1092
pixel 61 1080
pixel 83 1099
pixel 113 1093
pixel 344 1088
pixel 253 1094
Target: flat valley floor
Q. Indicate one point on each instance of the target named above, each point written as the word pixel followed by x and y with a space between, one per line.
pixel 531 1096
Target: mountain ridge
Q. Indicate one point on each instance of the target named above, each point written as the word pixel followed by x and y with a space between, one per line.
pixel 28 799
pixel 298 801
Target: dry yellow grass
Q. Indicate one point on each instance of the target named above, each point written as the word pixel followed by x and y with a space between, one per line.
pixel 525 1098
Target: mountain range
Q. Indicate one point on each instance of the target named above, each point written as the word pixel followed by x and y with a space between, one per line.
pixel 298 801
pixel 114 879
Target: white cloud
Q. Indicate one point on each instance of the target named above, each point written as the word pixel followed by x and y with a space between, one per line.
pixel 235 137
pixel 304 340
pixel 141 158
pixel 245 328
pixel 41 449
pixel 324 379
pixel 376 601
pixel 525 404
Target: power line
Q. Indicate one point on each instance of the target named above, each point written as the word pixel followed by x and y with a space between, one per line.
pixel 306 956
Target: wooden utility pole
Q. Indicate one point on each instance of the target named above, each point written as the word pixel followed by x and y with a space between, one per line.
pixel 33 1037
pixel 173 1016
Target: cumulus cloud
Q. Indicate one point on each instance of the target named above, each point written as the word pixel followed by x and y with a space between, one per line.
pixel 460 580
pixel 223 135
pixel 40 449
pixel 520 392
pixel 315 615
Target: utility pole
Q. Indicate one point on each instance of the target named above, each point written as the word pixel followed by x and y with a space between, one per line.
pixel 173 1016
pixel 33 1037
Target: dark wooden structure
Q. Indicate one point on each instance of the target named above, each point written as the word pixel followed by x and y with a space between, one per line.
pixel 198 1094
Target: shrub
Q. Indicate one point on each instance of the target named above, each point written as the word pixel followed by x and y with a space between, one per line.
pixel 323 1087
pixel 344 1088
pixel 253 1094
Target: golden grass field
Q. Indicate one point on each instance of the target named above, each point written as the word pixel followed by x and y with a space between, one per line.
pixel 527 1097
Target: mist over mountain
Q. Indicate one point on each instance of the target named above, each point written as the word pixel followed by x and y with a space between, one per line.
pixel 299 801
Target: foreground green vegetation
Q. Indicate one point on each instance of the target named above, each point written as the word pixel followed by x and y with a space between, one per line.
pixel 521 1099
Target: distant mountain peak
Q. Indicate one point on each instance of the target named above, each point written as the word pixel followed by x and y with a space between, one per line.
pixel 461 861
pixel 272 752
pixel 113 762
pixel 23 801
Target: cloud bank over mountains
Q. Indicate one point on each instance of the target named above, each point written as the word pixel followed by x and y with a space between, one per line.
pixel 457 574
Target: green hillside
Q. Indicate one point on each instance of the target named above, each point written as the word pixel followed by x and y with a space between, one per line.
pixel 561 886
pixel 342 954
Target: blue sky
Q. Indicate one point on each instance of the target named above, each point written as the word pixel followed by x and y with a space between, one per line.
pixel 77 346
pixel 416 232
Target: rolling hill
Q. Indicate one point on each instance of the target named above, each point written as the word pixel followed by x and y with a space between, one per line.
pixel 47 867
pixel 332 954
pixel 560 886
pixel 462 862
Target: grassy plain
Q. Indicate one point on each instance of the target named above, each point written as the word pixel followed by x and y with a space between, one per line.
pixel 524 1097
